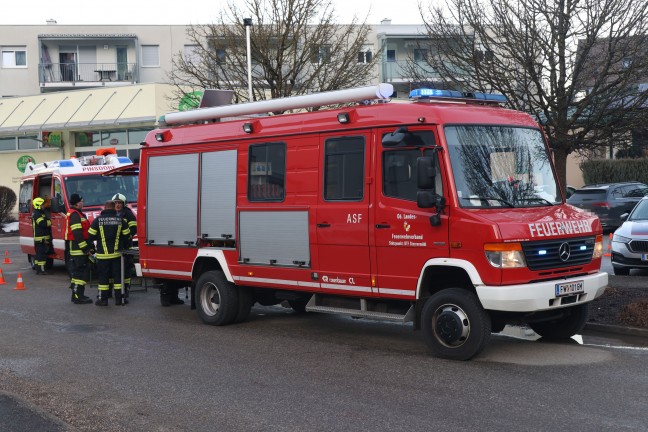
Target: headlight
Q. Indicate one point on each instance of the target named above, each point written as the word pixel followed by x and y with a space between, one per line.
pixel 505 255
pixel 620 238
pixel 598 247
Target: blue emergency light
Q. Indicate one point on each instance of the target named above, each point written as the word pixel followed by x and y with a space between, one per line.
pixel 66 164
pixel 424 93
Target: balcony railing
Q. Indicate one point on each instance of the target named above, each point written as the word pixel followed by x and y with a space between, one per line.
pixel 64 73
pixel 402 70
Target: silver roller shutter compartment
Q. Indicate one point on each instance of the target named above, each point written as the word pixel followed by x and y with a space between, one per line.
pixel 172 199
pixel 278 238
pixel 218 195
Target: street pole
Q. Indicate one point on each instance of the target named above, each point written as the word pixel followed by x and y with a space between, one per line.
pixel 248 24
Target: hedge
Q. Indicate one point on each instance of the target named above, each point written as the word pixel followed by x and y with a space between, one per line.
pixel 615 171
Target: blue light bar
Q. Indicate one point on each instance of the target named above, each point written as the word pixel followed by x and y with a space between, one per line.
pixel 66 164
pixel 454 94
pixel 123 159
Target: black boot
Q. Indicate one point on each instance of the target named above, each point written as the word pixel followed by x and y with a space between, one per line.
pixel 103 299
pixel 126 289
pixel 40 270
pixel 78 296
pixel 119 299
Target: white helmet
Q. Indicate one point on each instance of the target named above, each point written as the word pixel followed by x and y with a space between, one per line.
pixel 119 197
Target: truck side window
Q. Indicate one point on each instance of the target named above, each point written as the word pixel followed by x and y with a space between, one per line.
pixel 344 169
pixel 267 172
pixel 399 173
pixel 25 197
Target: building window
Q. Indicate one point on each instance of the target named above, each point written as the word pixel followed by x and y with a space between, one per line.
pixel 14 57
pixel 365 56
pixel 113 138
pixel 221 55
pixel 626 63
pixel 344 169
pixel 28 142
pixel 391 55
pixel 8 143
pixel 150 56
pixel 321 54
pixel 267 172
pixel 136 136
pixel 420 55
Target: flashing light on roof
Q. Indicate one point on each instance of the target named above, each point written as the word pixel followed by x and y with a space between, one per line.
pixel 66 164
pixel 422 94
pixel 123 159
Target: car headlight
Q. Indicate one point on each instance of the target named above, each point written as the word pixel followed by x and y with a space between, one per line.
pixel 620 238
pixel 598 247
pixel 504 255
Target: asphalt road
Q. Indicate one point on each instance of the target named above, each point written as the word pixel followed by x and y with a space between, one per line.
pixel 143 367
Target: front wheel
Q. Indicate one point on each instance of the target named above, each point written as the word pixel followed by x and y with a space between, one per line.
pixel 455 325
pixel 217 299
pixel 565 326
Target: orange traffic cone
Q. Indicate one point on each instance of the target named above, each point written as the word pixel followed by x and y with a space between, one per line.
pixel 609 247
pixel 2 281
pixel 7 259
pixel 19 283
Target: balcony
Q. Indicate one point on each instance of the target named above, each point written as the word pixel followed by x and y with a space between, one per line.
pixel 401 71
pixel 57 76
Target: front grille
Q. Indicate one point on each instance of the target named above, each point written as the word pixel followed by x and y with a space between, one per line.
pixel 638 246
pixel 545 254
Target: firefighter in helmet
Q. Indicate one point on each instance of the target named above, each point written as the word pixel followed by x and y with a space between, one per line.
pixel 42 235
pixel 112 235
pixel 76 234
pixel 125 212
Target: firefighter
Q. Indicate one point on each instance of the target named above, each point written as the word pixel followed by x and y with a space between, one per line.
pixel 125 212
pixel 76 235
pixel 112 235
pixel 42 235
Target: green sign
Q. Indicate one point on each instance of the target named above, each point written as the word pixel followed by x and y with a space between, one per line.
pixel 23 161
pixel 190 101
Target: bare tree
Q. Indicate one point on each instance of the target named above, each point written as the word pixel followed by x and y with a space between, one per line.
pixel 575 64
pixel 296 49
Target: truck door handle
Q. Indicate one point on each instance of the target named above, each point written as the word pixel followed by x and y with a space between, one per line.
pixel 382 226
pixel 323 225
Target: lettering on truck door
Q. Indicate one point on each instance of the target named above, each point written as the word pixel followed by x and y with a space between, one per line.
pixel 342 221
pixel 404 237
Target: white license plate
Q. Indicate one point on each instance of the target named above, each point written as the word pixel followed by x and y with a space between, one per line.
pixel 569 288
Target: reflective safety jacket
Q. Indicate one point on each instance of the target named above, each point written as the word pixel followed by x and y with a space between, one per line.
pixel 42 226
pixel 76 232
pixel 128 214
pixel 111 233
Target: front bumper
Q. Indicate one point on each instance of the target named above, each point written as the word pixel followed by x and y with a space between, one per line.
pixel 622 257
pixel 539 295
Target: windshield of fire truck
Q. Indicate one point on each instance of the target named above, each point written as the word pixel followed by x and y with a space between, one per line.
pixel 97 189
pixel 501 166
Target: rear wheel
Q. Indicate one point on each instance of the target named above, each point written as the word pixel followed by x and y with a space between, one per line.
pixel 455 325
pixel 217 299
pixel 565 326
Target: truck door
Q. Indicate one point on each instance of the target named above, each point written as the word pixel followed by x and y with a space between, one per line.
pixel 404 237
pixel 58 218
pixel 342 217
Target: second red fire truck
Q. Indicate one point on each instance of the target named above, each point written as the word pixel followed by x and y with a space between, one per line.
pixel 445 212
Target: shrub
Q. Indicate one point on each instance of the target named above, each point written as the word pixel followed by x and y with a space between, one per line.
pixel 7 203
pixel 614 171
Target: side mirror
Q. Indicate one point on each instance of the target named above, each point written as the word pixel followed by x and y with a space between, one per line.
pixel 624 216
pixel 395 138
pixel 426 172
pixel 426 199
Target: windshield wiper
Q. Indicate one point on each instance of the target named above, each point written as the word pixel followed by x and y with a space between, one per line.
pixel 508 204
pixel 536 199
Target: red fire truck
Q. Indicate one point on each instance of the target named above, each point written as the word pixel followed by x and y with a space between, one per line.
pixel 445 212
pixel 55 181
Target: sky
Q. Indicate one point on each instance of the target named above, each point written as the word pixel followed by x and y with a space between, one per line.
pixel 187 12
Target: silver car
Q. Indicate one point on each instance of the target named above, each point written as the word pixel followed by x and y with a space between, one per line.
pixel 630 241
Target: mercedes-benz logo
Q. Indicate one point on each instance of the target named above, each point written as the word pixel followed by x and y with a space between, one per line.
pixel 564 251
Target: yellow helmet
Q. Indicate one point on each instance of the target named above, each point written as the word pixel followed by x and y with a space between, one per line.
pixel 38 202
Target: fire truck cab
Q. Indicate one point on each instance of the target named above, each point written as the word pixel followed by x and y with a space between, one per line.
pixel 445 212
pixel 55 181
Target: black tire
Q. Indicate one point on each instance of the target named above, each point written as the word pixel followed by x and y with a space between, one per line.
pixel 454 324
pixel 565 326
pixel 621 271
pixel 245 302
pixel 299 306
pixel 216 299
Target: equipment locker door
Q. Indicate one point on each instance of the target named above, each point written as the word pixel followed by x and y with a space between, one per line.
pixel 404 237
pixel 342 221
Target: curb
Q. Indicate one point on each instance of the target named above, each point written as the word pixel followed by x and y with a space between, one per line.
pixel 614 329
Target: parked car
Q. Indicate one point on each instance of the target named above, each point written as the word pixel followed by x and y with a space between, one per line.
pixel 609 201
pixel 630 241
pixel 569 191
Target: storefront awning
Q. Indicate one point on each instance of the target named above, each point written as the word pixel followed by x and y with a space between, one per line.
pixel 94 108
